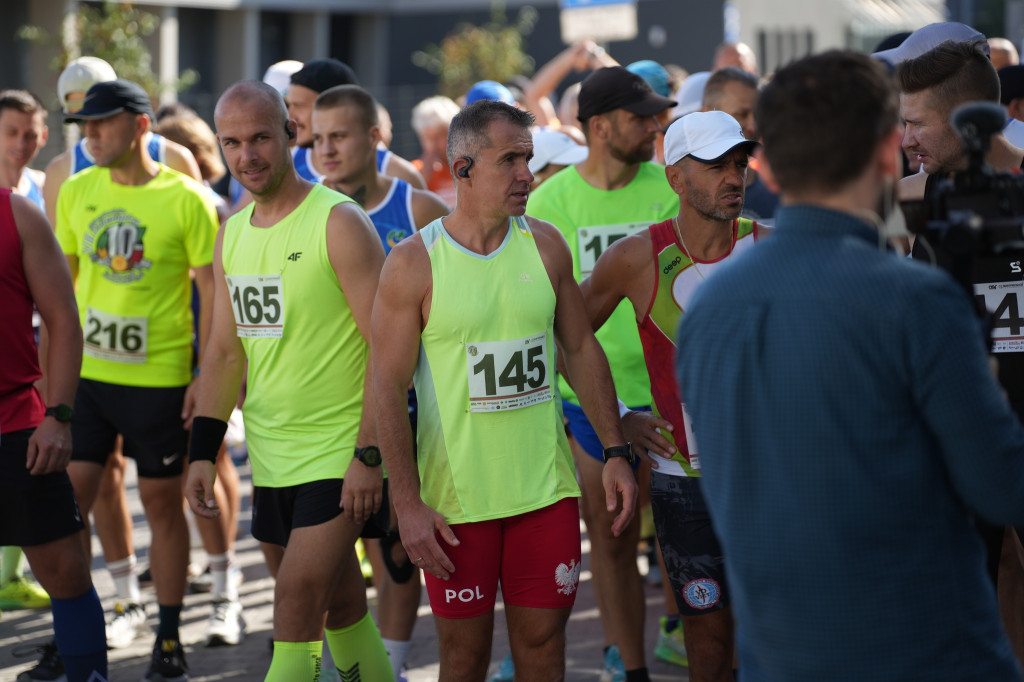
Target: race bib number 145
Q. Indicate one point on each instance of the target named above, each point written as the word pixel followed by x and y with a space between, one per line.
pixel 258 305
pixel 508 375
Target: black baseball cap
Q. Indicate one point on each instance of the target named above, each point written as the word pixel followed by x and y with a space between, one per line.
pixel 1011 83
pixel 615 87
pixel 112 97
pixel 323 74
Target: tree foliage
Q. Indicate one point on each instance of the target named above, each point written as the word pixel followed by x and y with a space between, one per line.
pixel 470 53
pixel 114 32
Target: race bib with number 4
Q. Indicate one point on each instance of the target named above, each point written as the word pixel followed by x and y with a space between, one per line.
pixel 115 337
pixel 1002 301
pixel 258 305
pixel 508 375
pixel 594 240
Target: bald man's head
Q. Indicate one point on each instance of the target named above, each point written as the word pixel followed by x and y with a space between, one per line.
pixel 254 131
pixel 256 94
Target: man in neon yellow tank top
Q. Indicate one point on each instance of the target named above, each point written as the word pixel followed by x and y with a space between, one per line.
pixel 657 271
pixel 473 305
pixel 615 192
pixel 294 274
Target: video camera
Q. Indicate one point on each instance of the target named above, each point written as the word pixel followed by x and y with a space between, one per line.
pixel 972 225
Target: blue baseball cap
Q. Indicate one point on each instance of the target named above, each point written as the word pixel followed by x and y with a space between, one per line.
pixel 492 90
pixel 655 75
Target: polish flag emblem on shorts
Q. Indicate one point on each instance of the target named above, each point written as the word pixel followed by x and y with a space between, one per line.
pixel 567 577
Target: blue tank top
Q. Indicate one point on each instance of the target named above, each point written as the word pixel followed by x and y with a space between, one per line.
pixel 32 189
pixel 393 216
pixel 383 156
pixel 303 158
pixel 82 159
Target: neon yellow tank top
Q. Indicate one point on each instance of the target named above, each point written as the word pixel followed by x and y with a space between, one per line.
pixel 490 439
pixel 307 359
pixel 591 220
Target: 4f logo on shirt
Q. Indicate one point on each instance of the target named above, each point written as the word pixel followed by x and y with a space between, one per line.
pixel 114 241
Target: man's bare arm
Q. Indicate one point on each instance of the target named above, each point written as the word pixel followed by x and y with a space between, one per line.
pixel 587 367
pixel 399 315
pixel 357 255
pixel 49 283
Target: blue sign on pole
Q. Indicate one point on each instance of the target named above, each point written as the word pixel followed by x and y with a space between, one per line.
pixel 574 4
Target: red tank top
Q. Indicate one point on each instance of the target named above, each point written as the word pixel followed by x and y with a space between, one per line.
pixel 676 278
pixel 21 406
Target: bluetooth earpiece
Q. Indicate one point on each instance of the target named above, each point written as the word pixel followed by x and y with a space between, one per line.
pixel 464 171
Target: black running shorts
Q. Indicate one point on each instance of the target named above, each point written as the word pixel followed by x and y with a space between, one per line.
pixel 33 509
pixel 693 556
pixel 276 511
pixel 148 418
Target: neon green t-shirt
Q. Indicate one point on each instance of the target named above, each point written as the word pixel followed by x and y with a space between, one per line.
pixel 490 440
pixel 307 358
pixel 135 245
pixel 591 219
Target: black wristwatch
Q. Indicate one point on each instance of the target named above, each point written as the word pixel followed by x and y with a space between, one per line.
pixel 624 451
pixel 61 412
pixel 370 455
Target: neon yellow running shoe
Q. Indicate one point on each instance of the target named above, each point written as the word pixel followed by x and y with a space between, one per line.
pixel 670 647
pixel 364 562
pixel 22 593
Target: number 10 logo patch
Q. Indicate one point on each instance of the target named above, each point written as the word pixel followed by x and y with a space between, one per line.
pixel 258 305
pixel 508 375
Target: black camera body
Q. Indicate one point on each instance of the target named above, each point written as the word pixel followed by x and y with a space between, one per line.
pixel 972 225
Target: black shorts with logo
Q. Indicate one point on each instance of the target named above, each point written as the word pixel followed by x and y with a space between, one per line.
pixel 693 557
pixel 148 418
pixel 33 509
pixel 277 511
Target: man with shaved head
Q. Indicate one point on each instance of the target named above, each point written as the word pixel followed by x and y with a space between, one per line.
pixel 295 274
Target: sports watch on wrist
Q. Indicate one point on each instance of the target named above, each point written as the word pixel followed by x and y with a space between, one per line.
pixel 61 412
pixel 370 455
pixel 624 451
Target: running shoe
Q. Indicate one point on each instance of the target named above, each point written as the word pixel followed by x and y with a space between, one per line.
pixel 506 671
pixel 128 623
pixel 49 668
pixel 670 647
pixel 226 626
pixel 203 583
pixel 23 593
pixel 614 669
pixel 168 662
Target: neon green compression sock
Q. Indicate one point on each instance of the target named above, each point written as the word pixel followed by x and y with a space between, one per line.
pixel 359 652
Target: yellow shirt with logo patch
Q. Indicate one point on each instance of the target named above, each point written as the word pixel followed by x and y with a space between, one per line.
pixel 135 246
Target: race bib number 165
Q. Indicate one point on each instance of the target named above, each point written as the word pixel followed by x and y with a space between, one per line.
pixel 258 305
pixel 508 375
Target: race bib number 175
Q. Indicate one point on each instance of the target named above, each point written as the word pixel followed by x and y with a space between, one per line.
pixel 258 305
pixel 508 375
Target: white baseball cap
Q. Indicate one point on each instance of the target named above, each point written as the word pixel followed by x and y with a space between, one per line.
pixel 691 93
pixel 929 37
pixel 551 146
pixel 278 76
pixel 81 74
pixel 704 135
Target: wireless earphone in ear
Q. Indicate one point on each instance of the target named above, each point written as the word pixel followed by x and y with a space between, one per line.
pixel 464 171
pixel 289 131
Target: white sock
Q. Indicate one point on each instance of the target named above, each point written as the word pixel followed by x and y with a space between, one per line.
pixel 126 581
pixel 397 652
pixel 222 587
